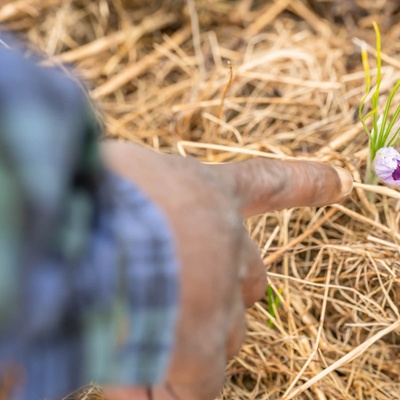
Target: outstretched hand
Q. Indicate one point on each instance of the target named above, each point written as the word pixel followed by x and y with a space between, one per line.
pixel 221 271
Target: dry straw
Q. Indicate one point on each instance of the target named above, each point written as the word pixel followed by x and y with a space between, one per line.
pixel 158 71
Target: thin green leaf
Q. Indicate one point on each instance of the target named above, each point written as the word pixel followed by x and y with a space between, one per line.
pixel 396 142
pixel 384 133
pixel 366 130
pixel 367 71
pixel 273 303
pixel 371 113
pixel 375 96
pixel 390 128
pixel 277 300
pixel 364 57
pixel 393 141
pixel 363 121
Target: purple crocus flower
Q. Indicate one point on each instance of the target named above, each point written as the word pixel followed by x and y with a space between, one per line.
pixel 387 166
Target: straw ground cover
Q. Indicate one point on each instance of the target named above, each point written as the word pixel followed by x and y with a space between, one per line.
pixel 158 71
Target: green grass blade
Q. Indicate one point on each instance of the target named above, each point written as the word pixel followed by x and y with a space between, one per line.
pixel 367 72
pixel 277 300
pixel 384 133
pixel 371 113
pixel 397 141
pixel 273 303
pixel 393 140
pixel 390 127
pixel 375 96
pixel 363 121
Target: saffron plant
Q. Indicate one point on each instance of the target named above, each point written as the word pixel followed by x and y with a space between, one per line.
pixel 383 159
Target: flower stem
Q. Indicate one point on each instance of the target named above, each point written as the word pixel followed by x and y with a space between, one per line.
pixel 370 176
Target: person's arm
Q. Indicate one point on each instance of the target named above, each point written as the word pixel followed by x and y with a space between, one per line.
pixel 221 270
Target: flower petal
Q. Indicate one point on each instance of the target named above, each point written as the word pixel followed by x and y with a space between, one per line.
pixel 387 166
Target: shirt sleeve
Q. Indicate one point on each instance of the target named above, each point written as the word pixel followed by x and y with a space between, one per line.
pixel 130 324
pixel 88 270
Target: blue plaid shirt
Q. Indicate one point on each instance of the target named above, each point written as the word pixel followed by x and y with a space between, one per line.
pixel 88 270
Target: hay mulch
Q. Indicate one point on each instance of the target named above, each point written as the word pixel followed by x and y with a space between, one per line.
pixel 158 70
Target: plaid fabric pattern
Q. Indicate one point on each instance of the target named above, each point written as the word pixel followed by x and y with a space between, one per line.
pixel 88 271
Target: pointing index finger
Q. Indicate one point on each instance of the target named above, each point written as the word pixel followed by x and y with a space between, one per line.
pixel 264 185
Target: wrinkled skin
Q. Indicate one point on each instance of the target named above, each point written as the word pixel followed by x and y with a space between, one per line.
pixel 221 271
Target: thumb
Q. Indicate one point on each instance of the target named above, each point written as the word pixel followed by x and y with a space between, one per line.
pixel 263 185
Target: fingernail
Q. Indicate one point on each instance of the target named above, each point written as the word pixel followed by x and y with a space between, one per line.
pixel 346 180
